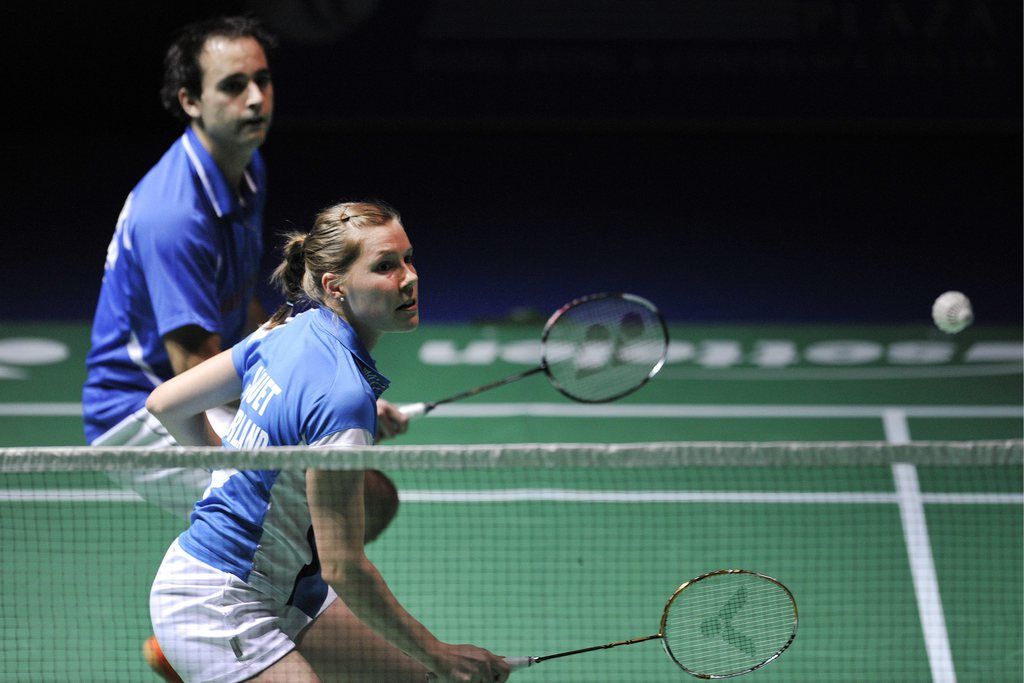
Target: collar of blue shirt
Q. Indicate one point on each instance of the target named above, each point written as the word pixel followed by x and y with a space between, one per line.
pixel 223 198
pixel 335 325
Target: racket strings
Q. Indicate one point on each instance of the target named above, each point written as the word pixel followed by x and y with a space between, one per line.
pixel 729 624
pixel 604 348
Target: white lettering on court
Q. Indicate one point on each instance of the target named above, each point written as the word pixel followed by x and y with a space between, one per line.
pixel 721 354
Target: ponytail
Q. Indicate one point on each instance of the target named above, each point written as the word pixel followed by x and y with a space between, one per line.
pixel 289 276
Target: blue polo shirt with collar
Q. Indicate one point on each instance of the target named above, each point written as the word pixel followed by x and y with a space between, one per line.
pixel 186 251
pixel 311 382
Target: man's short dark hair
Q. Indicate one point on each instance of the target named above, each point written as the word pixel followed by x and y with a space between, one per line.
pixel 181 63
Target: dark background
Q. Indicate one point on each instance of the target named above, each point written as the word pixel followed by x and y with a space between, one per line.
pixel 732 160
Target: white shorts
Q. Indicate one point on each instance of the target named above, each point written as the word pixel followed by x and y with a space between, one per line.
pixel 212 626
pixel 174 489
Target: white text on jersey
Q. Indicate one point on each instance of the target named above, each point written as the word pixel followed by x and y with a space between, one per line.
pixel 260 390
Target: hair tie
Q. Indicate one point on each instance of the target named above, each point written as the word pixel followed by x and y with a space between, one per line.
pixel 289 304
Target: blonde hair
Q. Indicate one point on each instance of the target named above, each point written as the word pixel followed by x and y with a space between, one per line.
pixel 331 246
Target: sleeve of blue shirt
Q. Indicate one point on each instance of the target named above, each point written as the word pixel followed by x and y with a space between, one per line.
pixel 345 404
pixel 238 354
pixel 178 255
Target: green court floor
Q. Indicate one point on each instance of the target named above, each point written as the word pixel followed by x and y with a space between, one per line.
pixel 534 561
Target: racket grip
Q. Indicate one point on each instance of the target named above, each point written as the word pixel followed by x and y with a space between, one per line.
pixel 414 410
pixel 516 663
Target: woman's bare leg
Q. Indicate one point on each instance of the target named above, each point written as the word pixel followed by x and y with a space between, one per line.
pixel 292 668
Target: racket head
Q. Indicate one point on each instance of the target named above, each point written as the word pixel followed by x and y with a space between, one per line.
pixel 728 622
pixel 601 347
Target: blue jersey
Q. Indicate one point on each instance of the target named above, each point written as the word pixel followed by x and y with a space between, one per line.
pixel 186 251
pixel 311 382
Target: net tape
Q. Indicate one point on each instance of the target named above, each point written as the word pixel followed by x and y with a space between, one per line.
pixel 524 456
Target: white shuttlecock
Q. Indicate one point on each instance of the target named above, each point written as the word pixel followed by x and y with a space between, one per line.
pixel 952 312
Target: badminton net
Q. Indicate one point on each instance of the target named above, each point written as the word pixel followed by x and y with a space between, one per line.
pixel 905 560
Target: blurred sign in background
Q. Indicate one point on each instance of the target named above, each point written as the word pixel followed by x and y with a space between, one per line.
pixel 730 159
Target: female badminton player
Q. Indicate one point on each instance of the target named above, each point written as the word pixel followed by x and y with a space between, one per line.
pixel 249 590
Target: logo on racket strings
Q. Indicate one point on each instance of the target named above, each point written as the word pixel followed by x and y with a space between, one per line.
pixel 720 625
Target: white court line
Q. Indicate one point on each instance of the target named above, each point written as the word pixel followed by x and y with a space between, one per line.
pixel 40 409
pixel 580 496
pixel 68 496
pixel 831 374
pixel 625 410
pixel 571 496
pixel 922 570
pixel 634 410
pixel 894 422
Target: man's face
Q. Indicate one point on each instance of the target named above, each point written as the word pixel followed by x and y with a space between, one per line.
pixel 237 100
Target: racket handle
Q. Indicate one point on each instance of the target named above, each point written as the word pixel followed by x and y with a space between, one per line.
pixel 414 410
pixel 516 663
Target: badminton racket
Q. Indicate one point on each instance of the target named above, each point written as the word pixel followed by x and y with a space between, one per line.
pixel 718 625
pixel 594 349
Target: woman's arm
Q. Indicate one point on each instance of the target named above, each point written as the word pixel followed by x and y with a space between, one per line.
pixel 336 507
pixel 180 402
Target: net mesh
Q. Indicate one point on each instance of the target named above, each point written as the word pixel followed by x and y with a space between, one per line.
pixel 906 561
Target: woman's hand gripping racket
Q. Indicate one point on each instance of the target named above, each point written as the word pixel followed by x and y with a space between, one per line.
pixel 594 349
pixel 721 624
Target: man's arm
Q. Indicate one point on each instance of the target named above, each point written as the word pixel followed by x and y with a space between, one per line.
pixel 187 347
pixel 256 316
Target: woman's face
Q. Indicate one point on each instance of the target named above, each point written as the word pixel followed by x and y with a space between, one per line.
pixel 380 287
